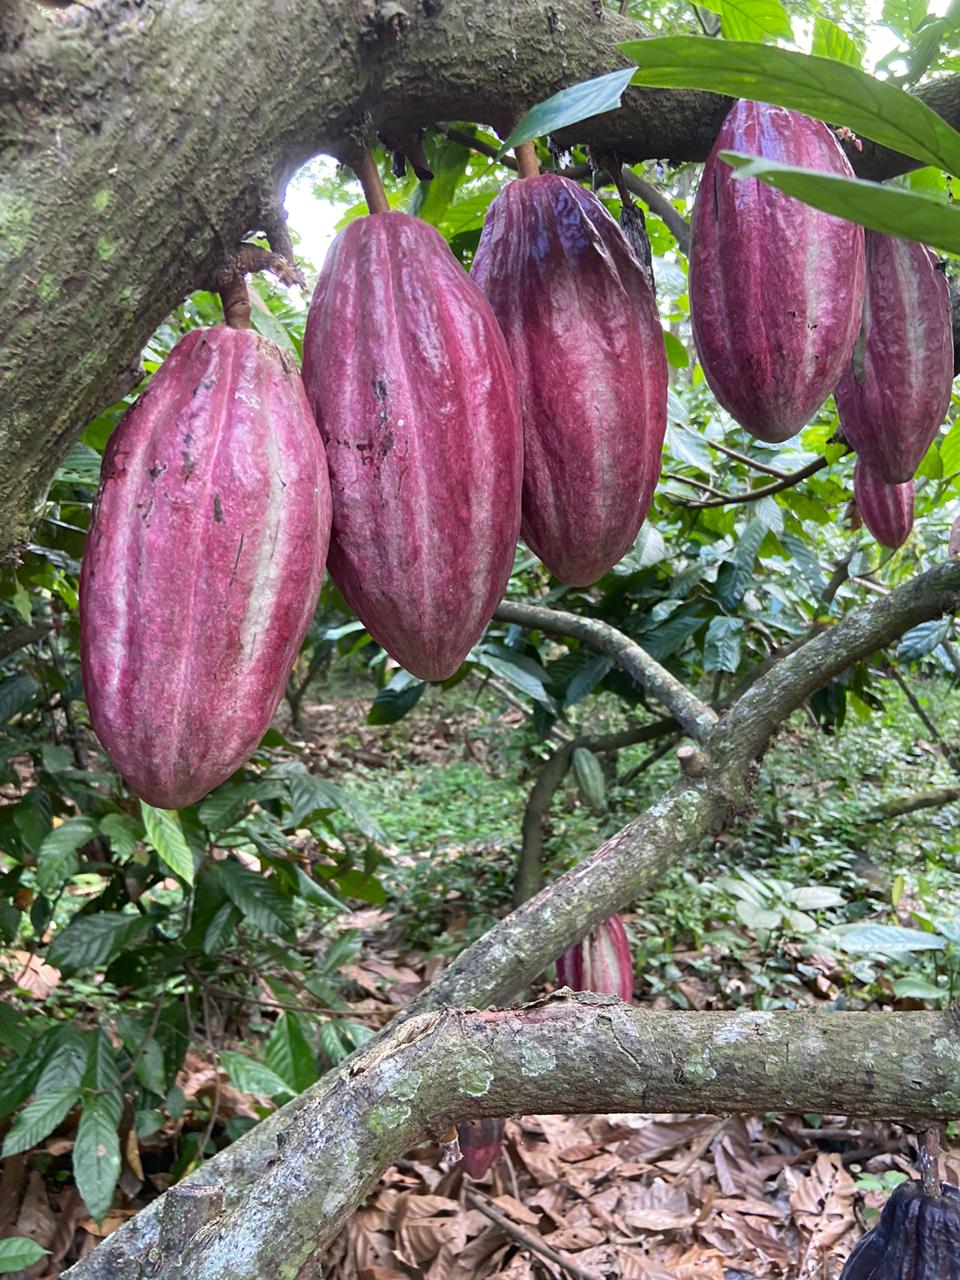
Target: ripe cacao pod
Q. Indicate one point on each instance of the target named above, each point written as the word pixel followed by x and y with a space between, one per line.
pixel 602 962
pixel 917 1238
pixel 895 392
pixel 480 1144
pixel 886 509
pixel 583 330
pixel 203 563
pixel 776 287
pixel 416 400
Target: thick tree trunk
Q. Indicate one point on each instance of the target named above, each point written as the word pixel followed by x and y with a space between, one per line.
pixel 142 139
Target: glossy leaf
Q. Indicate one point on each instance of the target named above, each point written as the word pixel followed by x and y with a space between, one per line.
pixel 570 106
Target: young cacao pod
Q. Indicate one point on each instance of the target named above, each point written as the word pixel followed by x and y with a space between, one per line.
pixel 776 287
pixel 203 563
pixel 886 509
pixel 582 326
pixel 917 1238
pixel 588 772
pixel 416 401
pixel 480 1144
pixel 602 962
pixel 895 392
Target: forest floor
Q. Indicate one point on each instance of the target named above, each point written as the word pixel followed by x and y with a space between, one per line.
pixel 676 1197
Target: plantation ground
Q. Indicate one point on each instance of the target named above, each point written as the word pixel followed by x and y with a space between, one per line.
pixel 675 1196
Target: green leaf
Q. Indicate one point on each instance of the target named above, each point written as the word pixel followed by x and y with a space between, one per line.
pixel 570 106
pixel 397 697
pixel 721 648
pixel 16 695
pixel 38 1119
pixel 57 856
pixel 820 87
pixel 510 667
pixel 80 466
pixel 815 897
pixel 586 678
pixel 289 1053
pixel 677 353
pixel 251 1076
pixel 17 1253
pixel 803 559
pixel 355 884
pixel 122 831
pixel 221 929
pixel 923 639
pixel 308 794
pixel 20 599
pixel 149 1069
pixel 96 1155
pixel 88 942
pixel 755 20
pixel 101 1072
pixel 831 41
pixel 165 835
pixel 919 989
pixel 890 210
pixel 262 903
pixel 315 893
pixel 887 940
pixel 14 1029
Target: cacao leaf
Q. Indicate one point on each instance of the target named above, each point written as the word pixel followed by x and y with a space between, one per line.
pixel 819 87
pixel 831 41
pixel 570 106
pixel 96 1155
pixel 397 697
pixel 251 1076
pixel 39 1118
pixel 165 836
pixel 57 857
pixel 923 639
pixel 586 679
pixel 890 210
pixel 16 695
pixel 886 940
pixel 721 647
pixel 261 902
pixel 17 1253
pixel 755 20
pixel 289 1053
pixel 89 942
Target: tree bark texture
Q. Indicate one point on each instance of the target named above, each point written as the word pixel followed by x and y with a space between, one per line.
pixel 290 1182
pixel 141 140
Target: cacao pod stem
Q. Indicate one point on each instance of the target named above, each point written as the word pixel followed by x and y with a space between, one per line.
pixel 929 1157
pixel 528 166
pixel 235 299
pixel 366 170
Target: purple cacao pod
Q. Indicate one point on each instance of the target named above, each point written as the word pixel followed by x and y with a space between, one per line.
pixel 886 509
pixel 895 392
pixel 416 401
pixel 602 962
pixel 480 1144
pixel 203 563
pixel 917 1238
pixel 776 287
pixel 582 326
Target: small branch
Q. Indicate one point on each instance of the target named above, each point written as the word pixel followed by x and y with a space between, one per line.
pixel 694 484
pixel 754 495
pixel 896 808
pixel 693 716
pixel 551 775
pixel 366 170
pixel 533 1244
pixel 764 467
pixel 236 302
pixel 929 1160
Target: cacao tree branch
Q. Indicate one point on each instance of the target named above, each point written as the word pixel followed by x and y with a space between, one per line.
pixel 763 467
pixel 897 807
pixel 576 1053
pixel 919 711
pixel 693 716
pixel 754 495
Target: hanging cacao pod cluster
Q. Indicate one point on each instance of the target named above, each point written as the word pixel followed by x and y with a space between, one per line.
pixel 789 304
pixel 917 1238
pixel 602 962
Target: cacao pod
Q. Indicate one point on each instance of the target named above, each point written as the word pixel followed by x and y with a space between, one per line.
pixel 895 392
pixel 602 962
pixel 590 780
pixel 886 509
pixel 583 330
pixel 203 563
pixel 416 400
pixel 480 1144
pixel 776 287
pixel 917 1238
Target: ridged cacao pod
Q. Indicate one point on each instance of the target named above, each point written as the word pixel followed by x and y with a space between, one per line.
pixel 776 287
pixel 602 962
pixel 203 563
pixel 917 1238
pixel 480 1144
pixel 590 780
pixel 583 330
pixel 886 509
pixel 416 400
pixel 895 392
